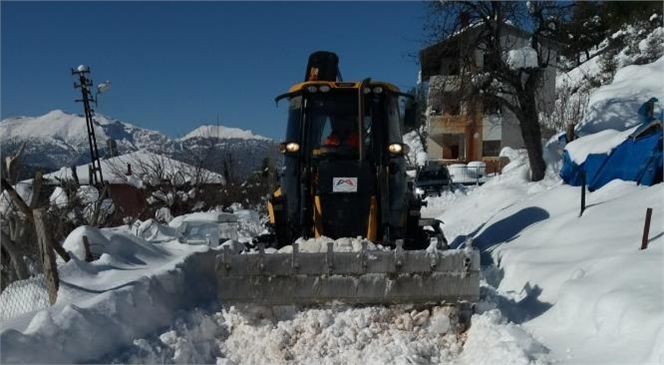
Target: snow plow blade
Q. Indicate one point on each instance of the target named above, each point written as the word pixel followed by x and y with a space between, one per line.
pixel 365 277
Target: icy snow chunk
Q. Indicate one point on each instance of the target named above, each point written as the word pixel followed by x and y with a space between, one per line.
pixel 152 230
pixel 491 337
pixel 440 325
pixel 87 194
pixel 344 244
pixel 58 198
pixel 163 215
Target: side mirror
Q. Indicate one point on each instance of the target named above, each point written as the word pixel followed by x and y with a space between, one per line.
pixel 410 118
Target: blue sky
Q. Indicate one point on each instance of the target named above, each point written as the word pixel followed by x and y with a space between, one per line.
pixel 177 65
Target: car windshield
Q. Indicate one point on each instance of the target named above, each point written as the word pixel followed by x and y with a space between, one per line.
pixel 201 231
pixel 439 174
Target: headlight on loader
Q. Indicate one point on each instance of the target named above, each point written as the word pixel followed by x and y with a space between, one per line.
pixel 398 149
pixel 395 148
pixel 292 147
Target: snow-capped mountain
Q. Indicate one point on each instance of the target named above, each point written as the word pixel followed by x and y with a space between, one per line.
pixel 219 131
pixel 59 139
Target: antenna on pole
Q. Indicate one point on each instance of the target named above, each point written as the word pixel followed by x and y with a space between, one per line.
pixel 85 83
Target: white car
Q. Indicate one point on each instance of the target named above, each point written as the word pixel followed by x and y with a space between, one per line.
pixel 209 229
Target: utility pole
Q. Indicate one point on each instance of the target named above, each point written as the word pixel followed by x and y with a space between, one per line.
pixel 84 83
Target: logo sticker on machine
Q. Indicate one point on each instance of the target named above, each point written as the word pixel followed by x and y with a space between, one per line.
pixel 344 185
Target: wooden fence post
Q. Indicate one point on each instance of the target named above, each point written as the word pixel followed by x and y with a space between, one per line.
pixel 583 192
pixel 47 252
pixel 86 245
pixel 646 229
pixel 569 132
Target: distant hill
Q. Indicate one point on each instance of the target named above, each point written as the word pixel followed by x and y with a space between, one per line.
pixel 59 139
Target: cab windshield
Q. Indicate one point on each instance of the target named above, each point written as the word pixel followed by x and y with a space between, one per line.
pixel 437 174
pixel 332 119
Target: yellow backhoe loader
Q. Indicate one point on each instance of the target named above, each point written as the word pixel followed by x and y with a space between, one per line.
pixel 344 175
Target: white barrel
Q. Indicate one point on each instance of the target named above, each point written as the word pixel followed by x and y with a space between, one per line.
pixel 477 169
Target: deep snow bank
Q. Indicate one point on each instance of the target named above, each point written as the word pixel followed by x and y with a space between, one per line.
pixel 134 289
pixel 579 285
pixel 615 106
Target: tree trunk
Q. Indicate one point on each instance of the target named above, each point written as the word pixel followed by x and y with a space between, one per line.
pixel 530 128
pixel 532 138
pixel 13 163
pixel 47 255
pixel 36 189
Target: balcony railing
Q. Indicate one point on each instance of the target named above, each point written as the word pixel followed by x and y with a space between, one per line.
pixel 439 124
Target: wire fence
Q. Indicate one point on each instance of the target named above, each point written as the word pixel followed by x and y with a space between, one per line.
pixel 20 295
pixel 24 296
pixel 43 287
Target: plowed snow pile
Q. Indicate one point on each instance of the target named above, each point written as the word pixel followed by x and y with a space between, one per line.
pixel 337 335
pixel 372 335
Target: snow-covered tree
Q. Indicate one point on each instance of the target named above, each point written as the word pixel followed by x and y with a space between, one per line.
pixel 506 82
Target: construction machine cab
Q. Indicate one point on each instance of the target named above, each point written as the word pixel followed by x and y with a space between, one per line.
pixel 345 169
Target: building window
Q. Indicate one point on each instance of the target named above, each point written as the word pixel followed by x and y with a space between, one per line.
pixel 490 148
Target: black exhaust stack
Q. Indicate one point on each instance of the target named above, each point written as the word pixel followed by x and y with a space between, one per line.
pixel 322 66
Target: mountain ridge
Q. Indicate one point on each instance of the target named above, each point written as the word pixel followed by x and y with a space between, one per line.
pixel 59 139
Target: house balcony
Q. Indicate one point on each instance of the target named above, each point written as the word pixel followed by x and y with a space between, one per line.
pixel 448 124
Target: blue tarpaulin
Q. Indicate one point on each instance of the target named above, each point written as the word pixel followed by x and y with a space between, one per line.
pixel 638 158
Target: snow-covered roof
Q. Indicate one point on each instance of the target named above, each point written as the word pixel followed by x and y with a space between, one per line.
pixel 146 168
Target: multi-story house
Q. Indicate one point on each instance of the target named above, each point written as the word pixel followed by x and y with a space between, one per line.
pixel 462 128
